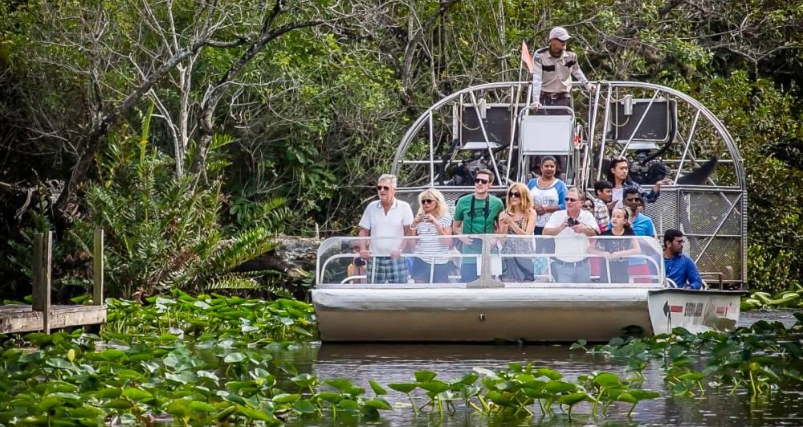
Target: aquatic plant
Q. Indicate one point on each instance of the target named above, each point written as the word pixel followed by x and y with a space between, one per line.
pixel 513 391
pixel 759 359
pixel 210 316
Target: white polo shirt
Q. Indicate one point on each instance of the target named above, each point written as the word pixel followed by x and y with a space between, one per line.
pixel 571 246
pixel 392 224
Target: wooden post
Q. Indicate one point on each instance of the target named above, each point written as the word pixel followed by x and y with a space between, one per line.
pixel 97 268
pixel 42 262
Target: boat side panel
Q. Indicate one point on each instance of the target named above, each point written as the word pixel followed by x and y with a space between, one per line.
pixel 479 315
pixel 695 311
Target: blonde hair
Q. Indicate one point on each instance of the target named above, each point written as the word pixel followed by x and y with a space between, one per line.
pixel 436 195
pixel 526 200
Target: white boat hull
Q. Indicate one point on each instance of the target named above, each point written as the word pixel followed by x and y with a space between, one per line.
pixel 530 314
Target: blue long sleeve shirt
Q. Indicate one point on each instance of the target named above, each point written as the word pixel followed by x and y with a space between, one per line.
pixel 683 272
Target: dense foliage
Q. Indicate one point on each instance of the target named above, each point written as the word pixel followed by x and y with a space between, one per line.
pixel 209 361
pixel 306 100
pixel 761 359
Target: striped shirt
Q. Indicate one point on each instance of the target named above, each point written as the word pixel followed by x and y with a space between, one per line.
pixel 429 242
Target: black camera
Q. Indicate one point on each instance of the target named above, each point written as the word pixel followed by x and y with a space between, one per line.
pixel 359 262
pixel 572 222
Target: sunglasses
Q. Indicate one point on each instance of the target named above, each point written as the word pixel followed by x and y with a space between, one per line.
pixel 570 199
pixel 382 188
pixel 514 194
pixel 427 201
pixel 480 181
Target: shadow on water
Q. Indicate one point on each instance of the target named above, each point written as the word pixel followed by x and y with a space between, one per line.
pixel 391 363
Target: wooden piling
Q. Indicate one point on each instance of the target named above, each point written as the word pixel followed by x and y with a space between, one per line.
pixel 97 268
pixel 42 263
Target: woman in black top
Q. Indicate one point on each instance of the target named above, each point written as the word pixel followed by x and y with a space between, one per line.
pixel 616 250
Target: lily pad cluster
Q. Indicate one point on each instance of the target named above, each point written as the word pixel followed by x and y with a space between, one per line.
pixel 788 299
pixel 210 316
pixel 761 359
pixel 518 390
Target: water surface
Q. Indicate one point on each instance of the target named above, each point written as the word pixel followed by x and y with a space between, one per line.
pixel 389 363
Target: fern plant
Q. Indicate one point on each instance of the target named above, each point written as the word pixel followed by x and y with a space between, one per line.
pixel 163 232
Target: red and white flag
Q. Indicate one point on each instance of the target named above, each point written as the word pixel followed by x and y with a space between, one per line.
pixel 526 57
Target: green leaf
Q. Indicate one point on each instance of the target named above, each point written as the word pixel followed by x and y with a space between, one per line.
pixel 111 354
pixel 234 358
pixel 286 398
pixel 137 394
pixel 304 406
pixel 405 388
pixel 203 407
pixel 573 398
pixel 424 376
pixel 434 386
pixel 607 379
pixel 380 404
pixel 378 389
pixel 340 384
pixel 549 373
pixel 59 363
pixel 118 404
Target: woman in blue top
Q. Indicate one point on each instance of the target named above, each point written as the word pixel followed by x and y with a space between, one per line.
pixel 548 194
pixel 619 176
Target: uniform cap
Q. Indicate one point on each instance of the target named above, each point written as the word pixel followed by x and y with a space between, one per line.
pixel 559 33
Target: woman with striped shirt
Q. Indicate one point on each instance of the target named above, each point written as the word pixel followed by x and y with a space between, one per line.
pixel 433 226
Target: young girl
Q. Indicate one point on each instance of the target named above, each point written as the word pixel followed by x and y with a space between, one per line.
pixel 615 249
pixel 517 220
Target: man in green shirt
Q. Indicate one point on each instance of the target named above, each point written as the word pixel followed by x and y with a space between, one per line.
pixel 476 215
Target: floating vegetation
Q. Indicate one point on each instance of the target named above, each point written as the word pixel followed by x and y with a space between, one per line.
pixel 210 317
pixel 207 360
pixel 760 359
pixel 788 299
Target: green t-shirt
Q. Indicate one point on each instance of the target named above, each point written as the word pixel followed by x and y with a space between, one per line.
pixel 477 223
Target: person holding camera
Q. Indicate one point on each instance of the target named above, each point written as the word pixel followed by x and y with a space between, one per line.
pixel 572 227
pixel 433 226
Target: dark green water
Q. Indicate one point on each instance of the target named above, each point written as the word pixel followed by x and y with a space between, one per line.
pixel 397 363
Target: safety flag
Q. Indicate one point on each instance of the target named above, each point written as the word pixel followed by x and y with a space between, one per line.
pixel 526 58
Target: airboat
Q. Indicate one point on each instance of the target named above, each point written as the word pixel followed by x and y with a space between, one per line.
pixel 665 133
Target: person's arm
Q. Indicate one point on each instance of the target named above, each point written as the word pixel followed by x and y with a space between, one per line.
pixel 537 77
pixel 555 225
pixel 578 74
pixel 693 275
pixel 601 215
pixel 562 191
pixel 635 249
pixel 364 253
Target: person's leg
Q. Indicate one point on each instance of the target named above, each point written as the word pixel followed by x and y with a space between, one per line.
pixel 441 273
pixel 397 270
pixel 582 273
pixel 468 272
pixel 562 272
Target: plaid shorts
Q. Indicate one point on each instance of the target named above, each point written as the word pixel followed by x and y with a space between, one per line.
pixel 387 270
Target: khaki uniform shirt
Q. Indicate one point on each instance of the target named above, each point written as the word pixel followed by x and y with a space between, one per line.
pixel 554 75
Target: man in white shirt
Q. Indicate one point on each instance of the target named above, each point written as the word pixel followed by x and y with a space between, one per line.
pixel 387 221
pixel 572 226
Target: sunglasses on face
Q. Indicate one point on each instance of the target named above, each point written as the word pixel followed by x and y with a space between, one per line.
pixel 480 181
pixel 514 194
pixel 427 201
pixel 382 188
pixel 571 199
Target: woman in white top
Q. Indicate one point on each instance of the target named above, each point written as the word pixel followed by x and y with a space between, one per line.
pixel 548 194
pixel 433 225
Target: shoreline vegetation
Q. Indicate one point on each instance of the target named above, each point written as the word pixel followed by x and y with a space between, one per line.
pixel 192 142
pixel 206 360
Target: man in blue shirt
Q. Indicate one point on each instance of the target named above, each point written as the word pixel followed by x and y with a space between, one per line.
pixel 679 267
pixel 642 224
